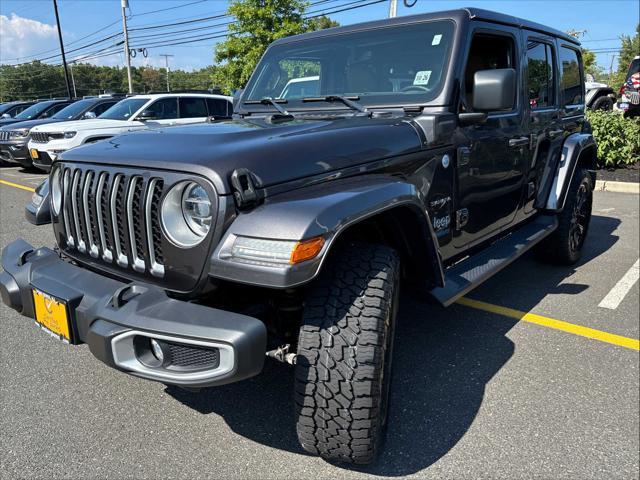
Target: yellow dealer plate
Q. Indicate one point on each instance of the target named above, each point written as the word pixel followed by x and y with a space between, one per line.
pixel 51 314
pixel 34 153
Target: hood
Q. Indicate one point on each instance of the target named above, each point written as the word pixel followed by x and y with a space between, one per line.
pixel 8 121
pixel 81 125
pixel 273 153
pixel 32 123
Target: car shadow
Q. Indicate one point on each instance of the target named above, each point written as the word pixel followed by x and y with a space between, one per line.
pixel 444 359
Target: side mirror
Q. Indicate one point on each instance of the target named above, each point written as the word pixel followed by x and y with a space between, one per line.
pixel 38 210
pixel 146 115
pixel 5 115
pixel 88 115
pixel 494 90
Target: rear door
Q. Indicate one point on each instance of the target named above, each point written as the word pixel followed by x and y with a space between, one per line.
pixel 543 112
pixel 192 110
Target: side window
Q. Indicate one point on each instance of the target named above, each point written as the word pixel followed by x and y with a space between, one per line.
pixel 53 110
pixel 192 107
pixel 540 74
pixel 164 109
pixel 103 107
pixel 571 84
pixel 219 107
pixel 487 52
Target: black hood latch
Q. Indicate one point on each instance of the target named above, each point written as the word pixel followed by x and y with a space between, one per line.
pixel 244 188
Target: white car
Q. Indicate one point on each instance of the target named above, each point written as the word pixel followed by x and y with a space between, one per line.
pixel 139 112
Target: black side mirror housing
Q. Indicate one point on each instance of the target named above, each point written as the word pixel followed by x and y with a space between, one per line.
pixel 38 210
pixel 146 115
pixel 494 90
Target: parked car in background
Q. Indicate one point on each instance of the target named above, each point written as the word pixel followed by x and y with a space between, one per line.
pixel 43 109
pixel 301 87
pixel 599 96
pixel 14 138
pixel 134 113
pixel 630 91
pixel 11 109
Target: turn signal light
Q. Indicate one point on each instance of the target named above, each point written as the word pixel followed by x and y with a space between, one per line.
pixel 306 250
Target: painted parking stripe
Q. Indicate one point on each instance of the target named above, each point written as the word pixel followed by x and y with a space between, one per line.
pixel 15 185
pixel 620 290
pixel 619 340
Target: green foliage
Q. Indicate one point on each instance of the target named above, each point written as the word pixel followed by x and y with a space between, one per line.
pixel 618 138
pixel 628 51
pixel 40 80
pixel 258 23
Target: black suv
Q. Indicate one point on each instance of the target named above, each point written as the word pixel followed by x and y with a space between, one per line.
pixel 40 109
pixel 14 138
pixel 11 109
pixel 433 151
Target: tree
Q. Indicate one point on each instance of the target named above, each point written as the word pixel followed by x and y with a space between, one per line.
pixel 258 23
pixel 628 51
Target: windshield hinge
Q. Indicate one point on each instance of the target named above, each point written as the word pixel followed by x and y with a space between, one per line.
pixel 412 110
pixel 244 189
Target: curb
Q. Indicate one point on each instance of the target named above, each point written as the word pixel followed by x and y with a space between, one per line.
pixel 619 187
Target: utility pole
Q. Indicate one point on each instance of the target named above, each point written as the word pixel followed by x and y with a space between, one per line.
pixel 125 4
pixel 64 59
pixel 393 8
pixel 166 62
pixel 73 80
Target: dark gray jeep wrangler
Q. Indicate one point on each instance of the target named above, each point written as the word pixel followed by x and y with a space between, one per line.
pixel 429 151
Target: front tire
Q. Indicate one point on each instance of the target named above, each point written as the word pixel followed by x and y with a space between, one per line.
pixel 345 347
pixel 603 103
pixel 564 246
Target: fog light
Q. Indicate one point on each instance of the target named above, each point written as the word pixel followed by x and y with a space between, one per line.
pixel 156 348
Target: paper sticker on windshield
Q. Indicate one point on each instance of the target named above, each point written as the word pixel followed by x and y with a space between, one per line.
pixel 436 39
pixel 422 77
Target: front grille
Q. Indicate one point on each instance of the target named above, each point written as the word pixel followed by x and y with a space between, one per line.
pixel 40 137
pixel 4 135
pixel 192 357
pixel 114 217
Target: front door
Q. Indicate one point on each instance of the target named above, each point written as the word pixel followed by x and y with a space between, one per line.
pixel 491 167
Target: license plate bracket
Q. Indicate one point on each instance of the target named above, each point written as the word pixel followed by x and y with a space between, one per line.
pixel 52 315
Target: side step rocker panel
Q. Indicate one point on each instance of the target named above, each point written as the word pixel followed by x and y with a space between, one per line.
pixel 468 274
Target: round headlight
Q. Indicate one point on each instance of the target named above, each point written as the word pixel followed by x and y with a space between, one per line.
pixel 187 214
pixel 56 190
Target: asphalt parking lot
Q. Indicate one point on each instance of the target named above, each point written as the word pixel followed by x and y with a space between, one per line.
pixel 479 391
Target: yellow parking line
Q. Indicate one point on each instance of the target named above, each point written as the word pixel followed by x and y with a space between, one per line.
pixel 587 332
pixel 15 185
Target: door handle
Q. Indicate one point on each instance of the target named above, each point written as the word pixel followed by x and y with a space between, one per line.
pixel 555 133
pixel 518 142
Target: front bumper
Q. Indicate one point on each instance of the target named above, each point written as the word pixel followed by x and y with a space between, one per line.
pixel 109 315
pixel 15 152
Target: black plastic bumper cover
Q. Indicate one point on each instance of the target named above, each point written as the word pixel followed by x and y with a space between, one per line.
pixel 101 308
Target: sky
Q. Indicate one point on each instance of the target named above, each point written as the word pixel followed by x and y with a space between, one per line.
pixel 27 27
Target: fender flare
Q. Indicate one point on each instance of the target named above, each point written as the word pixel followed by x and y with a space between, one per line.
pixel 572 149
pixel 596 93
pixel 326 209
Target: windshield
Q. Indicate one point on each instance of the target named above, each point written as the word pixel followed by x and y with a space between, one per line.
pixel 72 111
pixel 124 109
pixel 393 66
pixel 33 111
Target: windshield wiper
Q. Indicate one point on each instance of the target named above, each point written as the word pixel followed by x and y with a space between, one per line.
pixel 348 101
pixel 269 101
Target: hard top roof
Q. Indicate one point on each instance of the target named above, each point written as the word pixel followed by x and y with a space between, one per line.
pixel 459 14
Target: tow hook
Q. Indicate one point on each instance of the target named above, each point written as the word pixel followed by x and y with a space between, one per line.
pixel 282 354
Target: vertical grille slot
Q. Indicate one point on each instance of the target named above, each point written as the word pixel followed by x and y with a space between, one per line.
pixel 133 223
pixel 101 204
pixel 152 225
pixel 117 213
pixel 87 206
pixel 66 207
pixel 75 200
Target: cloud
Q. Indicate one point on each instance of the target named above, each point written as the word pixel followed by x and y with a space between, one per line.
pixel 22 37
